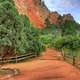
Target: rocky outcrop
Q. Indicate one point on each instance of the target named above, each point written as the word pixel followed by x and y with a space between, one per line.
pixel 54 18
pixel 34 9
pixel 38 13
pixel 68 17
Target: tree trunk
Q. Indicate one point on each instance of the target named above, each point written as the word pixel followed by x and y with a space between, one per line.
pixel 74 60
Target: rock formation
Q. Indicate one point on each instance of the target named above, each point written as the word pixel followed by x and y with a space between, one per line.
pixel 38 13
pixel 34 9
pixel 68 17
pixel 54 18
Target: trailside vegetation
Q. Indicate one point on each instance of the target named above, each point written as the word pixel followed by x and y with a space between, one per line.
pixel 17 34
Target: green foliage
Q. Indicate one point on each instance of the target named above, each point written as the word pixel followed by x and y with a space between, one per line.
pixel 50 37
pixel 32 37
pixel 46 40
pixel 69 41
pixel 70 44
pixel 16 30
pixel 2 1
pixel 50 29
pixel 58 42
pixel 70 28
pixel 8 22
pixel 47 35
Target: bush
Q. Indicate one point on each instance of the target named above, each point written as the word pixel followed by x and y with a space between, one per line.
pixel 16 30
pixel 70 28
pixel 69 44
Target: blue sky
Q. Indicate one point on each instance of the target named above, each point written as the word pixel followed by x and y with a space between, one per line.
pixel 65 6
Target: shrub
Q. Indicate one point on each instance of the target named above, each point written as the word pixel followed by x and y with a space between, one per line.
pixel 16 30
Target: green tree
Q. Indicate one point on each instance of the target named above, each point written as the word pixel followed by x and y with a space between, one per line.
pixel 11 28
pixel 32 35
pixel 69 28
pixel 69 46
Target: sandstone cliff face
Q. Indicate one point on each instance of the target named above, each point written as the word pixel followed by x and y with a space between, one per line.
pixel 38 13
pixel 54 18
pixel 34 9
pixel 68 17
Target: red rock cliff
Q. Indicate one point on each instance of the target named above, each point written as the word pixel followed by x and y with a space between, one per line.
pixel 34 9
pixel 38 13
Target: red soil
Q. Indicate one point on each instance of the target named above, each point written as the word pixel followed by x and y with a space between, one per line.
pixel 51 54
pixel 46 69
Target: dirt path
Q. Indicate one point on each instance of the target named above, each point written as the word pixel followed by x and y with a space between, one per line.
pixel 46 69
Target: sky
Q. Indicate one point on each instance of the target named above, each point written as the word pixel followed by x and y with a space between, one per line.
pixel 65 6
